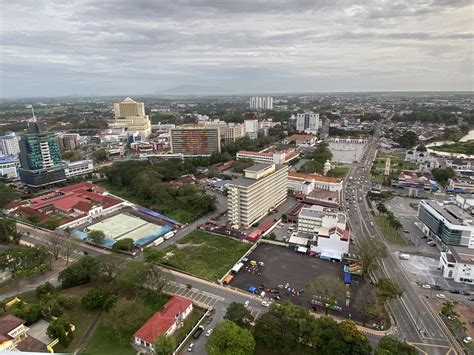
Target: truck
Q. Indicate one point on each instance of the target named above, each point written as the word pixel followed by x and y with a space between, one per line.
pixel 404 257
pixel 169 235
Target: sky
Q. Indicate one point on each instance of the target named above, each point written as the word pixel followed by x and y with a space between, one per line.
pixel 122 47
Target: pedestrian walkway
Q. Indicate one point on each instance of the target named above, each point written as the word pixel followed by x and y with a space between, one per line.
pixel 193 294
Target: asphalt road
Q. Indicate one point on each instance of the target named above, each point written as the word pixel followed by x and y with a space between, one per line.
pixel 415 322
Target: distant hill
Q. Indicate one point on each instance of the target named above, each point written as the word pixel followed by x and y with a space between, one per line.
pixel 192 90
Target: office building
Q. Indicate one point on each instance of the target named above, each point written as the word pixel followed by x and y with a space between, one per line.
pixel 250 198
pixel 9 144
pixel 229 132
pixel 457 263
pixel 40 157
pixel 130 115
pixel 268 157
pixel 302 183
pixel 261 103
pixel 195 141
pixel 68 141
pixel 447 223
pixel 79 168
pixel 307 122
pixel 9 165
pixel 251 128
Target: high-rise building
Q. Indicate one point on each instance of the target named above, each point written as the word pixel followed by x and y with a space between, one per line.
pixel 131 116
pixel 195 141
pixel 251 197
pixel 307 122
pixel 251 128
pixel 68 141
pixel 40 157
pixel 9 144
pixel 261 103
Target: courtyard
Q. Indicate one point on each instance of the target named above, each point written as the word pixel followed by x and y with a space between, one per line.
pixel 284 266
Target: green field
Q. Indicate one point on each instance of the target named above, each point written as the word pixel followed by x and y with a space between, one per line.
pixel 338 172
pixel 391 234
pixel 460 147
pixel 205 255
pixel 102 343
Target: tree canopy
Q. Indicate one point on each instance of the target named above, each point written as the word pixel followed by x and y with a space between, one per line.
pixel 408 139
pixel 239 314
pixel 230 339
pixel 82 272
pixel 391 346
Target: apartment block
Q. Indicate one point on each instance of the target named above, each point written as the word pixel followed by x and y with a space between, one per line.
pixel 195 141
pixel 263 187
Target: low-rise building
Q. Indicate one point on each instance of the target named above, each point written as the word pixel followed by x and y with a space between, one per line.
pixel 301 140
pixel 268 157
pixel 447 223
pixel 457 263
pixel 250 198
pixel 302 183
pixel 460 185
pixel 164 322
pixel 415 181
pixel 12 332
pixel 460 165
pixel 79 168
pixel 9 165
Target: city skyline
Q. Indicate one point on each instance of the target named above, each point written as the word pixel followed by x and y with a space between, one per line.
pixel 52 48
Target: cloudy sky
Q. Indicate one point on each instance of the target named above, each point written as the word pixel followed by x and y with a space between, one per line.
pixel 60 47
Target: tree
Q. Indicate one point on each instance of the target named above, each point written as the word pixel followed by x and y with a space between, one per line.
pixel 354 338
pixel 8 230
pixel 448 309
pixel 29 312
pixel 99 155
pixel 330 289
pixel 55 244
pixel 229 338
pixel 391 346
pixel 388 288
pixel 124 318
pixel 130 278
pixel 96 237
pixel 80 273
pixel 69 245
pixel 109 265
pixel 366 305
pixel 23 261
pixel 125 244
pixel 165 345
pixel 239 314
pixel 95 298
pixel 370 253
pixel 60 329
pixel 442 175
pixel 44 289
pixel 381 208
pixel 7 194
pixel 408 139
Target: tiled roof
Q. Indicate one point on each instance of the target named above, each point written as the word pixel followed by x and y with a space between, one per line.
pixel 161 321
pixel 304 176
pixel 9 322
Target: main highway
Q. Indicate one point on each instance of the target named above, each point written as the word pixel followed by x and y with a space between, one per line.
pixel 415 321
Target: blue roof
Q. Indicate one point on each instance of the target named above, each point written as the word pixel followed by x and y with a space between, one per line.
pixel 9 158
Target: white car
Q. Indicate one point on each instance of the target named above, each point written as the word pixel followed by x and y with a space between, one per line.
pixel 426 286
pixel 467 340
pixel 190 347
pixel 265 304
pixel 246 304
pixel 209 332
pixel 440 295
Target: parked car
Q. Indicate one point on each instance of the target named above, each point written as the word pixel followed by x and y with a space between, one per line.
pixel 198 332
pixel 265 304
pixel 457 292
pixel 467 340
pixel 440 295
pixel 465 293
pixel 406 231
pixel 209 332
pixel 246 304
pixel 426 286
pixel 190 347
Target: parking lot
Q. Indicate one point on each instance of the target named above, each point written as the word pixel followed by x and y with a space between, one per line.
pixel 285 269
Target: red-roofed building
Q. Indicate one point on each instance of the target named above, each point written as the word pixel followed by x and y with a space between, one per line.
pixel 163 322
pixel 12 331
pixel 73 203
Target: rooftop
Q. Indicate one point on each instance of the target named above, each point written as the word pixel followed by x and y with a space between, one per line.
pixel 258 167
pixel 463 254
pixel 246 182
pixel 315 177
pixel 452 213
pixel 8 322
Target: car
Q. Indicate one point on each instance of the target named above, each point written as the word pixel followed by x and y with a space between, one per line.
pixel 198 332
pixel 465 293
pixel 471 299
pixel 457 292
pixel 246 304
pixel 209 332
pixel 265 304
pixel 406 231
pixel 426 286
pixel 440 295
pixel 467 340
pixel 190 347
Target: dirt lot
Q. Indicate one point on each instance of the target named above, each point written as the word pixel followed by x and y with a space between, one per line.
pixel 284 266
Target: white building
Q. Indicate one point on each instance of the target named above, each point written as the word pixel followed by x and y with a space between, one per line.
pixel 267 157
pixel 422 157
pixel 328 231
pixel 301 183
pixel 251 128
pixel 9 165
pixel 9 144
pixel 130 115
pixel 458 264
pixel 78 168
pixel 307 122
pixel 251 197
pixel 261 103
pixel 460 165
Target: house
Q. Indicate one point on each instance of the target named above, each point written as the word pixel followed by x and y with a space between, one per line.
pixel 12 331
pixel 163 322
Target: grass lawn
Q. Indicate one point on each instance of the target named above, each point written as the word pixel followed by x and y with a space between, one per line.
pixel 461 147
pixel 390 234
pixel 206 255
pixel 102 343
pixel 377 178
pixel 189 323
pixel 338 172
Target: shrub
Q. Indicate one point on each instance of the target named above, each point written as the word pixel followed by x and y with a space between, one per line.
pixel 95 298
